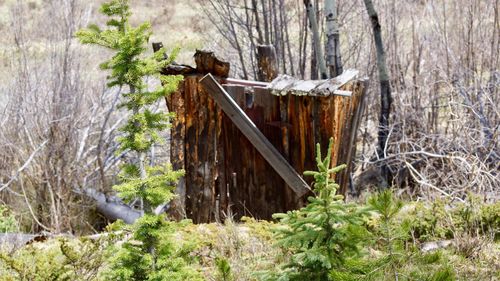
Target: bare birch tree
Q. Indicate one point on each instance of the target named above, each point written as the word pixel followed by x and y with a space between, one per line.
pixel 313 21
pixel 332 46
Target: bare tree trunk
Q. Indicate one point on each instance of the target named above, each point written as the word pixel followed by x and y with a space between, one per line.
pixel 332 48
pixel 286 39
pixel 302 44
pixel 266 22
pixel 385 89
pixel 240 51
pixel 255 11
pixel 249 24
pixel 311 12
pixel 314 63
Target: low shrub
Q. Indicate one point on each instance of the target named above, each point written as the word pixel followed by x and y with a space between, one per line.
pixel 8 222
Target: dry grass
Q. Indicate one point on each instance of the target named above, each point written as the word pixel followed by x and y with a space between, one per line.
pixel 247 247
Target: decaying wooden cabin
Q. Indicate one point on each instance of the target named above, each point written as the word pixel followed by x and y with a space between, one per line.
pixel 229 175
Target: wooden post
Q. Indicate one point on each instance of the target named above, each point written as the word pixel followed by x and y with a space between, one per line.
pixel 268 65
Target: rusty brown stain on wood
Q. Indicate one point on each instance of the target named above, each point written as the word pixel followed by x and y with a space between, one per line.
pixel 200 147
pixel 334 119
pixel 175 104
pixel 353 117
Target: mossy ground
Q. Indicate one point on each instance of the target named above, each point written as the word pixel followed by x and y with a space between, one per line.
pixel 247 248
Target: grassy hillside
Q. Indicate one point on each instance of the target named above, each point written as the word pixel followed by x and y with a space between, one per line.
pixel 175 23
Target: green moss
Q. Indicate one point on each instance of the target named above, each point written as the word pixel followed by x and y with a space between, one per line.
pixel 191 251
pixel 8 222
pixel 261 229
pixel 444 220
pixel 55 259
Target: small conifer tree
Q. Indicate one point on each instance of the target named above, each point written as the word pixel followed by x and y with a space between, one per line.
pixel 392 236
pixel 128 68
pixel 150 254
pixel 322 238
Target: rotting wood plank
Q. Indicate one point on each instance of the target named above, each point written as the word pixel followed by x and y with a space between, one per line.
pixel 299 87
pixel 255 188
pixel 285 84
pixel 207 62
pixel 247 83
pixel 199 150
pixel 247 127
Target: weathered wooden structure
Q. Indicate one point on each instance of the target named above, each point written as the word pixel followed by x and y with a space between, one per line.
pixel 225 173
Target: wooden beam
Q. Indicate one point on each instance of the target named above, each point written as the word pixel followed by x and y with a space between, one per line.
pixel 247 83
pixel 248 128
pixel 285 84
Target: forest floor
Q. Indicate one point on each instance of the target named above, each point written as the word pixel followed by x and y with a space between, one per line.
pixel 462 241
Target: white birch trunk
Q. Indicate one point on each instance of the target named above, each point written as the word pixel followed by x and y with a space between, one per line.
pixel 311 13
pixel 332 48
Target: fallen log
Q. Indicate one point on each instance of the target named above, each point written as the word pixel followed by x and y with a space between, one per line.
pixel 10 242
pixel 112 210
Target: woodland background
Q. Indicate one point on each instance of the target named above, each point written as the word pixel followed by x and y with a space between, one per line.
pixel 59 125
pixel 59 122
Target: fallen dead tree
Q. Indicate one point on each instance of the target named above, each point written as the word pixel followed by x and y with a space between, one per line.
pixel 113 210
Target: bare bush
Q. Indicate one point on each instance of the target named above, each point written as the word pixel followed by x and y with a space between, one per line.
pixel 58 124
pixel 244 24
pixel 443 60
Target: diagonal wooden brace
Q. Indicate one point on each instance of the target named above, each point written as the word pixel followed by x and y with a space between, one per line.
pixel 259 141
